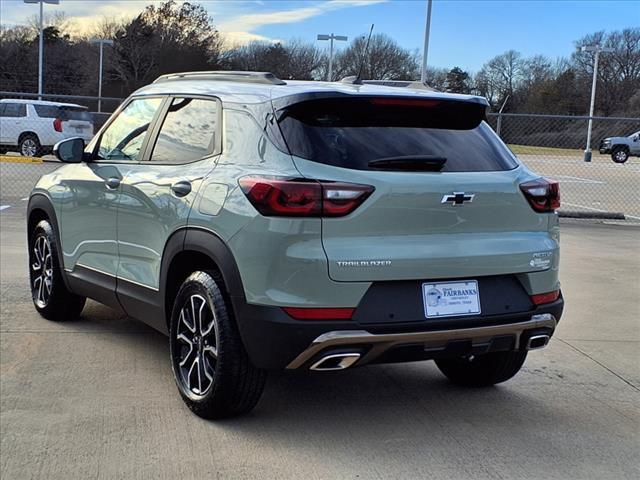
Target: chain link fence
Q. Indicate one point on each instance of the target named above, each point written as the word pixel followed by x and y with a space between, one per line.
pixel 551 145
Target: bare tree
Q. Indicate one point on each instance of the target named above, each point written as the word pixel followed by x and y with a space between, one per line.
pixel 292 60
pixel 383 60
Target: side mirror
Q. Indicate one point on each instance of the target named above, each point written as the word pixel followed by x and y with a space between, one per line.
pixel 635 138
pixel 70 150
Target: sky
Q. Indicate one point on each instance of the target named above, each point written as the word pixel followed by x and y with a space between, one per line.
pixel 464 33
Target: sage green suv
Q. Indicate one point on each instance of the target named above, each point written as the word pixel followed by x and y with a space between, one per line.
pixel 301 225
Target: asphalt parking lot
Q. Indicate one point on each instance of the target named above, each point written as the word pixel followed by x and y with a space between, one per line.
pixel 95 398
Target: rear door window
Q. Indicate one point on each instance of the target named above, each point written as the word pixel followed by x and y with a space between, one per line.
pixel 189 131
pixel 351 133
pixel 14 110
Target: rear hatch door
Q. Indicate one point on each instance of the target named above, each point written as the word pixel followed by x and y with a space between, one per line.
pixel 447 202
pixel 76 121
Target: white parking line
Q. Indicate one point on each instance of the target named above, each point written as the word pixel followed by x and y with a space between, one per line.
pixel 576 179
pixel 596 209
pixel 4 207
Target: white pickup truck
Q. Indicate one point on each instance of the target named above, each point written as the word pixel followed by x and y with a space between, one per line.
pixel 621 148
pixel 33 127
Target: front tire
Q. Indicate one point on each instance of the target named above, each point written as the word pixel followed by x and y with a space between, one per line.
pixel 211 368
pixel 49 293
pixel 482 370
pixel 619 155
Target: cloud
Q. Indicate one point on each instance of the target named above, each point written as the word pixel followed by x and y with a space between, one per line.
pixel 237 26
pixel 241 27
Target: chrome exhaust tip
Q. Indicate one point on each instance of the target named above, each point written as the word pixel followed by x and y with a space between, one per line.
pixel 536 342
pixel 336 361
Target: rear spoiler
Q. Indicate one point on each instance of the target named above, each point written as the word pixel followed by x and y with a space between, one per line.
pixel 455 112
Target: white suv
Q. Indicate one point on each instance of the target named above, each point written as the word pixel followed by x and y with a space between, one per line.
pixel 34 126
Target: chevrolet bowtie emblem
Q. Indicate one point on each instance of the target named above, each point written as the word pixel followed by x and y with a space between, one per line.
pixel 458 198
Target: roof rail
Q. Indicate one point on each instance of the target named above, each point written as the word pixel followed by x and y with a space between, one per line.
pixel 225 76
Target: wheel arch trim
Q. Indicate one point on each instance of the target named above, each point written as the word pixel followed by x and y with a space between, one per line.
pixel 204 241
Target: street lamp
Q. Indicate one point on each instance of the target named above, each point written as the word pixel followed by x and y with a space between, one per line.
pixel 41 41
pixel 102 42
pixel 331 38
pixel 427 29
pixel 598 49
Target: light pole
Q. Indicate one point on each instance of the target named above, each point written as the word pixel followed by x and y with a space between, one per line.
pixel 425 51
pixel 102 42
pixel 41 40
pixel 331 38
pixel 597 49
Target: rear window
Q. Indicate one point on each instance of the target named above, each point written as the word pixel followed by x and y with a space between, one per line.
pixel 63 113
pixel 74 113
pixel 350 133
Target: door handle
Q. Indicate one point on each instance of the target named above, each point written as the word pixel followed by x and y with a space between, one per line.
pixel 112 183
pixel 181 188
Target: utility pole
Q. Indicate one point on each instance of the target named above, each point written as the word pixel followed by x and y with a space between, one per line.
pixel 331 38
pixel 425 50
pixel 41 41
pixel 102 42
pixel 597 49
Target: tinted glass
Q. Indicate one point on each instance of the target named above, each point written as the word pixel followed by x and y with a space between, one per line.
pixel 123 138
pixel 75 113
pixel 47 111
pixel 14 110
pixel 350 134
pixel 188 132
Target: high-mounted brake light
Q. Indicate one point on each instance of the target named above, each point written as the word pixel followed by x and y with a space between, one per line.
pixel 319 313
pixel 280 197
pixel 543 195
pixel 57 125
pixel 543 298
pixel 404 102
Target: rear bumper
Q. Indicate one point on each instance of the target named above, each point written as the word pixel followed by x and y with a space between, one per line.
pixel 275 341
pixel 513 336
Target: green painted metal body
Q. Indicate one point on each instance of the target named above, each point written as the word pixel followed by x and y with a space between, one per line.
pixel 401 232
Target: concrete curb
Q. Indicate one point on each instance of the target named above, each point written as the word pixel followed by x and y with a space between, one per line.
pixel 590 215
pixel 16 159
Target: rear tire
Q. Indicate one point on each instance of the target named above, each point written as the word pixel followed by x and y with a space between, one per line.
pixel 211 368
pixel 29 146
pixel 482 370
pixel 48 291
pixel 619 155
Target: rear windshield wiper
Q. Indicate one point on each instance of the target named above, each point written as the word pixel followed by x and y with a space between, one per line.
pixel 410 163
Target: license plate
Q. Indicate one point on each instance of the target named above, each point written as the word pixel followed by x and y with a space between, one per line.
pixel 451 299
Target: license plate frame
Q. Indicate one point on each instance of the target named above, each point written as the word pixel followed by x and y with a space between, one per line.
pixel 451 299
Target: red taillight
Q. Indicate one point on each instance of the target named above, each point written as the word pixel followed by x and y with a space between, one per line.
pixel 543 195
pixel 303 198
pixel 319 313
pixel 543 298
pixel 57 125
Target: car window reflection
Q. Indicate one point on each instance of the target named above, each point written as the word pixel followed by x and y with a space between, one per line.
pixel 188 131
pixel 123 139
